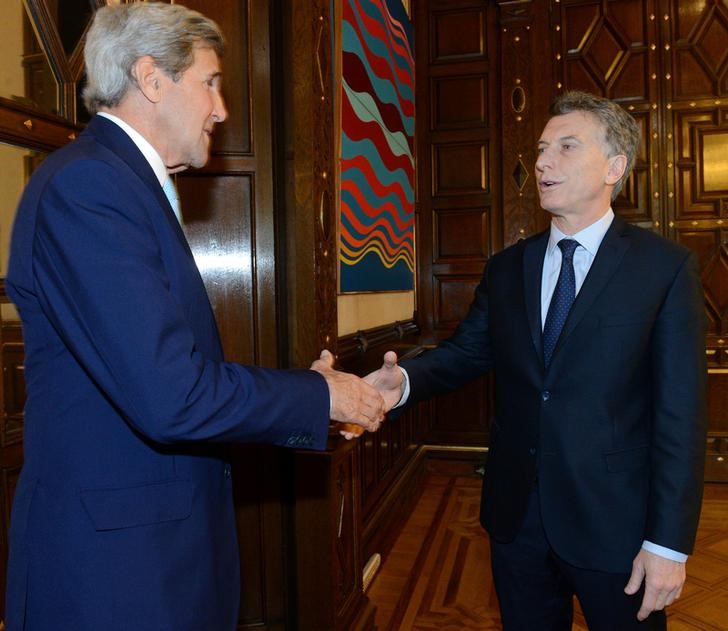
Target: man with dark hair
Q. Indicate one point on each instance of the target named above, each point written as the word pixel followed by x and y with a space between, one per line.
pixel 123 515
pixel 594 330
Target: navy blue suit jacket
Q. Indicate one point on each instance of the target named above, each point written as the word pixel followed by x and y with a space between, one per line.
pixel 614 429
pixel 123 516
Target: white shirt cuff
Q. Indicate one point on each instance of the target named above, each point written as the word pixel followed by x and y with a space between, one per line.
pixel 405 389
pixel 664 552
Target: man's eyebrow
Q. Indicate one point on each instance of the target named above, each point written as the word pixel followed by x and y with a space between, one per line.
pixel 561 139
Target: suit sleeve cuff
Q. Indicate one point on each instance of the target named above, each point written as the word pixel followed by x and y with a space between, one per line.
pixel 664 552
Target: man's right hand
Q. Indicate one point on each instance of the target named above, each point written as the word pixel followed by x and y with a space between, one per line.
pixel 352 400
pixel 388 380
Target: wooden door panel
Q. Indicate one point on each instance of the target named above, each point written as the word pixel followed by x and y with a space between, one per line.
pixel 228 209
pixel 609 48
pixel 458 154
pixel 235 135
pixel 701 144
pixel 698 32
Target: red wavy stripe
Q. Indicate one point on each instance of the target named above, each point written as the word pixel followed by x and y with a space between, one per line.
pixel 358 80
pixel 378 187
pixel 382 69
pixel 380 225
pixel 358 129
pixel 384 206
pixel 378 30
pixel 398 33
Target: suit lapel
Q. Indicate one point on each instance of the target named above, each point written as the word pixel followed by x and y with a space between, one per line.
pixel 610 254
pixel 116 139
pixel 533 256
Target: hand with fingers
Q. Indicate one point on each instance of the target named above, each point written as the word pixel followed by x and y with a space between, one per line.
pixel 388 380
pixel 354 403
pixel 664 580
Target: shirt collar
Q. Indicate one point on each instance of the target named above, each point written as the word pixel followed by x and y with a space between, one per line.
pixel 590 238
pixel 149 152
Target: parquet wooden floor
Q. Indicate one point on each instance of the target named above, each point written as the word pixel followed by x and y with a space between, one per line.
pixel 437 575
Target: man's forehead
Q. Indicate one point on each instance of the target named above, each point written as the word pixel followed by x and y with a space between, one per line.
pixel 577 124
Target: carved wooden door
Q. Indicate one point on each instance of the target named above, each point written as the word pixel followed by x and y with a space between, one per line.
pixel 666 62
pixel 457 186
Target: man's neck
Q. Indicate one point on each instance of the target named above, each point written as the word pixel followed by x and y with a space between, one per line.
pixel 573 223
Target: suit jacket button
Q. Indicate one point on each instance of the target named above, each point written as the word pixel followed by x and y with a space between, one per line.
pixel 532 451
pixel 545 395
pixel 227 471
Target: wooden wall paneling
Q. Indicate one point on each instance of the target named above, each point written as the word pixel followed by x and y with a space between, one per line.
pixel 525 89
pixel 695 85
pixel 458 166
pixel 390 461
pixel 329 559
pixel 12 400
pixel 229 210
pixel 455 150
pixel 311 242
pixel 327 510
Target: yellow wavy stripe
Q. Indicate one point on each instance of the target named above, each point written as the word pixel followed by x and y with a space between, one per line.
pixel 352 257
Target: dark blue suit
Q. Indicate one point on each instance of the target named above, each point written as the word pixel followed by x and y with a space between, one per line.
pixel 614 429
pixel 123 516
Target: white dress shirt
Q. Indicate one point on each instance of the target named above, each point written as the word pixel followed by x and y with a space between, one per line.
pixel 590 238
pixel 150 153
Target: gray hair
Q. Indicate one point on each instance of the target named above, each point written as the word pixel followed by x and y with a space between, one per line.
pixel 121 34
pixel 621 131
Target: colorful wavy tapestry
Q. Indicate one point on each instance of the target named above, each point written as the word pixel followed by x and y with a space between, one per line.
pixel 376 250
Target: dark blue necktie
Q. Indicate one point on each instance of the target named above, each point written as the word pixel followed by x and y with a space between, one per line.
pixel 562 299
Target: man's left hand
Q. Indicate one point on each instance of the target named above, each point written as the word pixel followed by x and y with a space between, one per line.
pixel 664 580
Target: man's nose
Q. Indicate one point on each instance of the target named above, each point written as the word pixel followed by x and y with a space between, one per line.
pixel 219 113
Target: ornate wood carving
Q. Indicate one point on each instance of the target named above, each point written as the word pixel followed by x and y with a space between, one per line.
pixel 612 49
pixel 323 182
pixel 525 79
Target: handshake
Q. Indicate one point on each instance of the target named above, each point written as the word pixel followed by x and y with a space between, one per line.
pixel 361 403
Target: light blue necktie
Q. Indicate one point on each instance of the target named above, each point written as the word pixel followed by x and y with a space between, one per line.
pixel 562 299
pixel 171 192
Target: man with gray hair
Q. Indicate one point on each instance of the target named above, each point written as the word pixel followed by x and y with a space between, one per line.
pixel 594 330
pixel 123 515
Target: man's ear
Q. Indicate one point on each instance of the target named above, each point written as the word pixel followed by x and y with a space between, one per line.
pixel 148 76
pixel 617 166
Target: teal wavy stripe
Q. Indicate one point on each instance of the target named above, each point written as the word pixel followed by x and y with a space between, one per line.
pixel 383 88
pixel 396 37
pixel 367 149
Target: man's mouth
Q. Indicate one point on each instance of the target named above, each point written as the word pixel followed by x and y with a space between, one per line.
pixel 547 184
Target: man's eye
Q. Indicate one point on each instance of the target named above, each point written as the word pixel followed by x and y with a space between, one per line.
pixel 566 147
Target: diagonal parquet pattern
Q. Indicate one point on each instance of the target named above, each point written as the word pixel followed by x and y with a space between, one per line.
pixel 437 575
